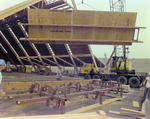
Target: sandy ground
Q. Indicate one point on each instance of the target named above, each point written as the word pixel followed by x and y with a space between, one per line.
pixel 8 108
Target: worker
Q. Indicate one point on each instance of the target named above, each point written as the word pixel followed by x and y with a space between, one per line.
pixel 2 66
pixel 113 61
pixel 59 73
pixel 147 88
pixel 120 61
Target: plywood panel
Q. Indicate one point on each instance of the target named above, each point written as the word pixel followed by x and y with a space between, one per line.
pixel 33 16
pixel 104 19
pixel 128 34
pixel 61 32
pixel 125 19
pixel 82 33
pixel 44 16
pixel 114 18
pixel 46 32
pixel 34 31
pixel 83 17
pixel 60 17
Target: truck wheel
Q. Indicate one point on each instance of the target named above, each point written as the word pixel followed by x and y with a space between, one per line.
pixel 96 77
pixel 87 76
pixel 122 80
pixel 134 82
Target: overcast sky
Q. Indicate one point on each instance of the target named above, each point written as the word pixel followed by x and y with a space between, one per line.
pixel 142 7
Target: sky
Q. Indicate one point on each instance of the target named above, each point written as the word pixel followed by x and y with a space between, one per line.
pixel 136 50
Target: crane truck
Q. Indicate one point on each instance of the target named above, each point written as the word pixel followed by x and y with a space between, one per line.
pixel 120 71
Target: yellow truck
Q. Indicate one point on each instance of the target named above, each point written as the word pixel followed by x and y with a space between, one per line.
pixel 120 71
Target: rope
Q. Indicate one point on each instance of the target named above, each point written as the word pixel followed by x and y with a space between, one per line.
pixel 87 5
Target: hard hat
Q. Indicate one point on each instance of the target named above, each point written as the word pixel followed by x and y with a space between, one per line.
pixel 60 67
pixel 2 62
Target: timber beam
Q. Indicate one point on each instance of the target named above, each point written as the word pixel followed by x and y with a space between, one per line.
pixel 96 27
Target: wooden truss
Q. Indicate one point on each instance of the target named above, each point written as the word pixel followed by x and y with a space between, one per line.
pixel 19 12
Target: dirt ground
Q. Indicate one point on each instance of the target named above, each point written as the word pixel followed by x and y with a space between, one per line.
pixel 8 107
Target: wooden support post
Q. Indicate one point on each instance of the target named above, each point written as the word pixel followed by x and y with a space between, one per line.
pixel 62 107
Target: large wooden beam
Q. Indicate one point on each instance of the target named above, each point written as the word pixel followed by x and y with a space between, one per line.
pixel 81 27
pixel 78 41
pixel 27 85
pixel 14 9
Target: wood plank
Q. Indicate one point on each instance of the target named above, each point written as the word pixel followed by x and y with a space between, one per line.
pixel 79 41
pixel 125 109
pixel 127 114
pixel 97 105
pixel 111 95
pixel 93 26
pixel 16 8
pixel 27 85
pixel 93 115
pixel 135 104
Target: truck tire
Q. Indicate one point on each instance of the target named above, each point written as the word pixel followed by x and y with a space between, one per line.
pixel 87 76
pixel 96 77
pixel 122 80
pixel 134 82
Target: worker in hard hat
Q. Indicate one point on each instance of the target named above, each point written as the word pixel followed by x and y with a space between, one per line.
pixel 59 73
pixel 147 88
pixel 2 66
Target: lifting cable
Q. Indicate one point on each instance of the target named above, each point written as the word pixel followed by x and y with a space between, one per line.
pixel 87 5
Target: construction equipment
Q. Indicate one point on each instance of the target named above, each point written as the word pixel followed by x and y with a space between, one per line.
pixel 120 70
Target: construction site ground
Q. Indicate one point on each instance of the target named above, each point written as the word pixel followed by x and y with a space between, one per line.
pixel 8 107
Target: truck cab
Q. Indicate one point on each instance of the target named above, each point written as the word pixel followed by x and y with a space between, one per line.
pixel 88 68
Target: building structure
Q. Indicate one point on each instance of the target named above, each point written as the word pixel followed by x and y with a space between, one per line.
pixel 39 55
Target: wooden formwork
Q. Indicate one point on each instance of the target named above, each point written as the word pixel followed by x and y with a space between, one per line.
pixel 27 85
pixel 87 27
